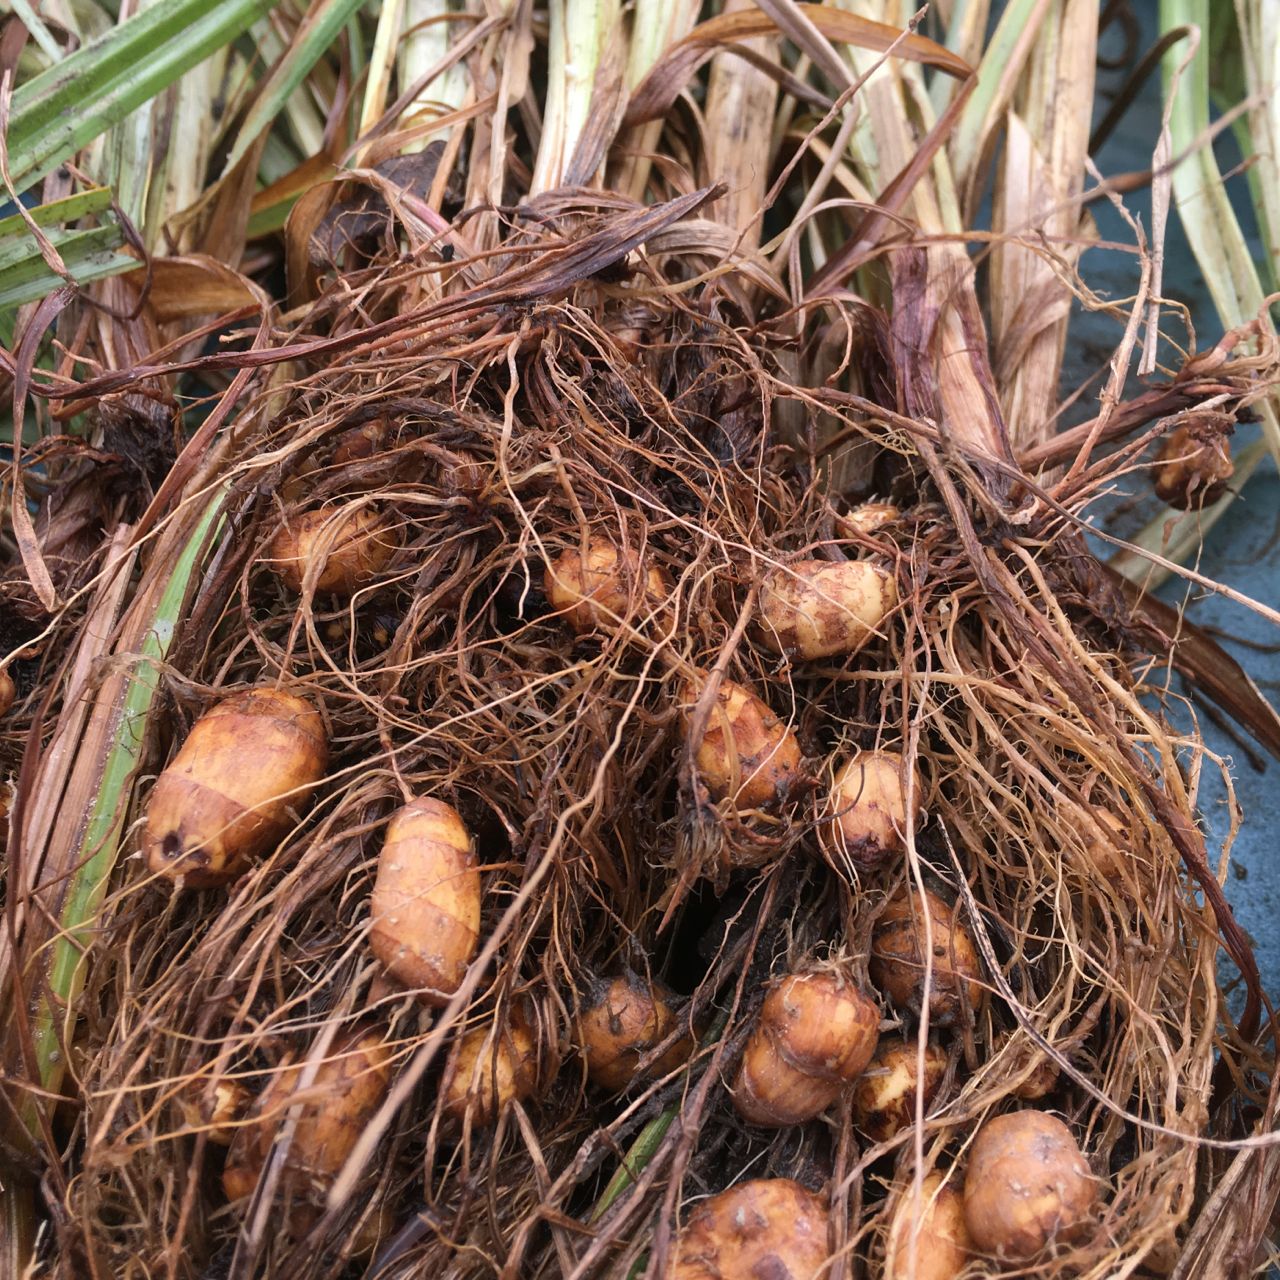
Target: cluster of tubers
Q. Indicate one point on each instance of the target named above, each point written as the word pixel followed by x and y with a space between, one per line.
pixel 1027 1187
pixel 817 1037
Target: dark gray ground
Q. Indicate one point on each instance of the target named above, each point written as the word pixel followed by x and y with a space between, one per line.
pixel 1242 550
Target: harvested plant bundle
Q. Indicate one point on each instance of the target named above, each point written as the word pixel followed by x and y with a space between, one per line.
pixel 623 584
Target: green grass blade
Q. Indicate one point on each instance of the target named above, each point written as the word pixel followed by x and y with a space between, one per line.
pixel 106 818
pixel 81 97
pixel 56 212
pixel 994 87
pixel 638 1155
pixel 87 255
pixel 313 40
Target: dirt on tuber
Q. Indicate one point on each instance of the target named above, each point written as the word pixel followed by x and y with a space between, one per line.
pixel 746 752
pixel 768 1227
pixel 489 1069
pixel 865 818
pixel 1027 1186
pixel 884 1099
pixel 905 932
pixel 626 1019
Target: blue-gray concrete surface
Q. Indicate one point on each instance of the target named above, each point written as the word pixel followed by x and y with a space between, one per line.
pixel 1242 550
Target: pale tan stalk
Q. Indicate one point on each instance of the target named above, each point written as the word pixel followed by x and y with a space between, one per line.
pixel 655 26
pixel 741 100
pixel 894 96
pixel 1037 207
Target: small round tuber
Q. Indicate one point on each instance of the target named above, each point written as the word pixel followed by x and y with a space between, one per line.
pixel 928 1239
pixel 816 1033
pixel 627 1018
pixel 771 1227
pixel 1037 1071
pixel 425 907
pixel 489 1070
pixel 345 1092
pixel 870 517
pixel 230 792
pixel 359 444
pixel 899 945
pixel 866 809
pixel 746 752
pixel 1102 840
pixel 1193 466
pixel 595 591
pixel 344 546
pixel 884 1101
pixel 1027 1185
pixel 7 692
pixel 819 608
pixel 216 1115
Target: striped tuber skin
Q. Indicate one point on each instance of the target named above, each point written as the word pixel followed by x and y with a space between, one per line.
pixel 628 1018
pixel 746 752
pixel 231 791
pixel 425 908
pixel 815 1035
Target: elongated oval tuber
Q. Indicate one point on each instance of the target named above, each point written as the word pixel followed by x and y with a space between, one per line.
pixel 816 1033
pixel 899 946
pixel 229 793
pixel 628 1018
pixel 865 816
pixel 746 752
pixel 346 1091
pixel 7 692
pixel 884 1099
pixel 346 547
pixel 1027 1185
pixel 488 1071
pixel 1193 466
pixel 425 907
pixel 595 591
pixel 818 608
pixel 928 1239
pixel 769 1227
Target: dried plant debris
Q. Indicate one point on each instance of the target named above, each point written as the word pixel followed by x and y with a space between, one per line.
pixel 638 777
